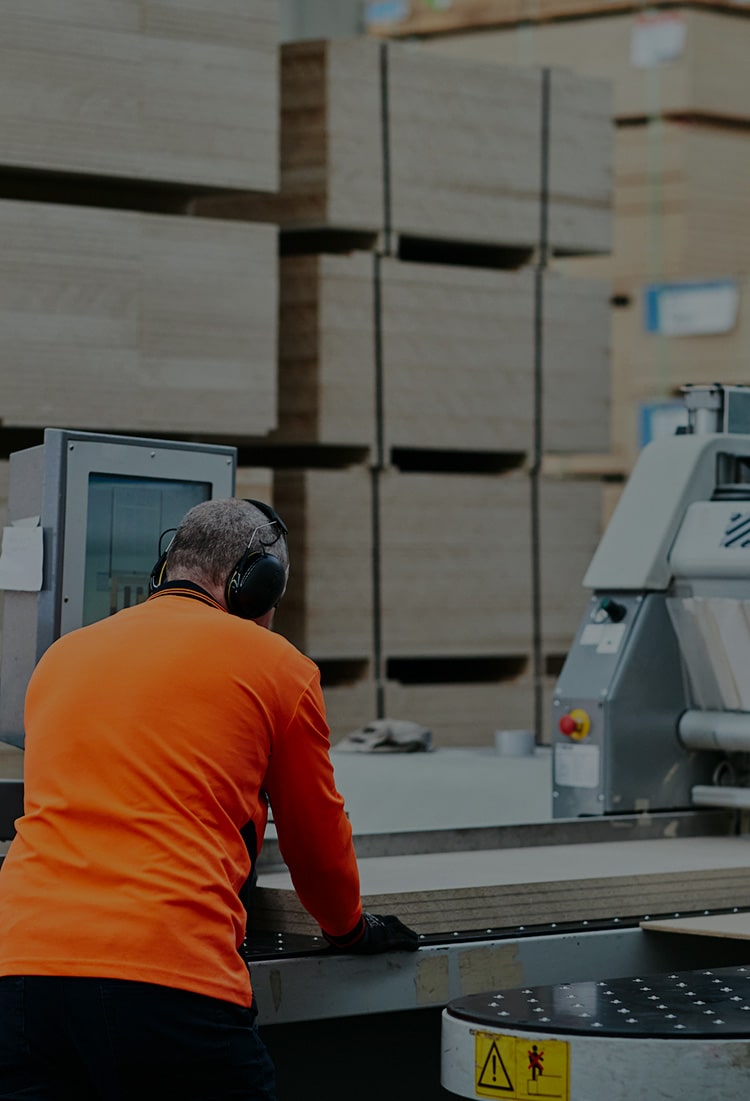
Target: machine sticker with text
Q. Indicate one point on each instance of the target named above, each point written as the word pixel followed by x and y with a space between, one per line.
pixel 576 766
pixel 611 638
pixel 519 1068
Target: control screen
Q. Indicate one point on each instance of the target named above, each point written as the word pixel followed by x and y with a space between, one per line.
pixel 126 516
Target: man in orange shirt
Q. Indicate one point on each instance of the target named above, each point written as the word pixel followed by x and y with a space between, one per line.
pixel 155 740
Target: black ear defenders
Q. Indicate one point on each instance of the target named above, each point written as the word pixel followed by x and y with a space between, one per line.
pixel 257 583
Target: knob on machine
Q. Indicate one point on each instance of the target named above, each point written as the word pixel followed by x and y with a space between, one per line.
pixel 575 725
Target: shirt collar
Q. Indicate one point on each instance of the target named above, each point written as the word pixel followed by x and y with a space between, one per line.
pixel 187 589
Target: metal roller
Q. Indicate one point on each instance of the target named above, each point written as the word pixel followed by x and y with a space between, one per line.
pixel 725 730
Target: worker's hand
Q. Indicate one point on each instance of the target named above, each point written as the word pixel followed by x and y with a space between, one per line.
pixel 375 933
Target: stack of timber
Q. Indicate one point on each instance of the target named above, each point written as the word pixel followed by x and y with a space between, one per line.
pixel 456 348
pixel 680 204
pixel 151 91
pixel 427 365
pixel 424 17
pixel 463 892
pixel 327 609
pixel 682 160
pixel 453 604
pixel 118 313
pixel 660 61
pixel 118 321
pixel 381 139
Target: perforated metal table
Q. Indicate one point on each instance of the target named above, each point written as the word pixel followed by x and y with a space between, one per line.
pixel 674 1036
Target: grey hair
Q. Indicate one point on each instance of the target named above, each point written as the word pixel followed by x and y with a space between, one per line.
pixel 213 536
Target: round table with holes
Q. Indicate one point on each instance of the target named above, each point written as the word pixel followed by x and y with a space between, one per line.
pixel 675 1037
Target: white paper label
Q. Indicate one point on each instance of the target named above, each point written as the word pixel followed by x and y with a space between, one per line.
pixel 695 309
pixel 577 766
pixel 591 634
pixel 22 556
pixel 657 39
pixel 611 639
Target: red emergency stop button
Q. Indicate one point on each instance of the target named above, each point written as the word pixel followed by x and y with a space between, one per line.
pixel 575 725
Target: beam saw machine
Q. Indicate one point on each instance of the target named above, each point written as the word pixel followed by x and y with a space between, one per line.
pixel 652 711
pixel 649 761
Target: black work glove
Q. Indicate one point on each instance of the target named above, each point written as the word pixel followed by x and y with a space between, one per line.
pixel 375 933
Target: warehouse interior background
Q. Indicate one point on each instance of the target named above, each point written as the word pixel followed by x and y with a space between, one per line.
pixel 437 269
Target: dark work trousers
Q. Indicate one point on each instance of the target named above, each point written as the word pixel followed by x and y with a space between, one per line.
pixel 73 1039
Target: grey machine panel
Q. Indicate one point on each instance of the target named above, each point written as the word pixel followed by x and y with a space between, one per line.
pixel 627 676
pixel 63 484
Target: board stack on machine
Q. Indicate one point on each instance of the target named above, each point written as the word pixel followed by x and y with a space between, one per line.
pixel 428 359
pixel 118 313
pixel 679 266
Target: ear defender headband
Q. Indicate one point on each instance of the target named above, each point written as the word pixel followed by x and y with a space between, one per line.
pixel 257 583
pixel 157 574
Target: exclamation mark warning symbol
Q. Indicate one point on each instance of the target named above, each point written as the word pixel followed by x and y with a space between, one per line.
pixel 494 1074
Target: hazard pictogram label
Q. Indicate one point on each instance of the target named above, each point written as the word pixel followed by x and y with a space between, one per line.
pixel 520 1069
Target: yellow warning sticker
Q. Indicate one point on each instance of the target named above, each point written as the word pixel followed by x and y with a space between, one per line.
pixel 519 1069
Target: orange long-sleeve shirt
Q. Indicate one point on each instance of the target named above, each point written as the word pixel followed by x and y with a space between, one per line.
pixel 150 739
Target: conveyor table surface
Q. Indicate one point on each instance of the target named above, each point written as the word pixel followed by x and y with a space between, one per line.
pixel 682 1004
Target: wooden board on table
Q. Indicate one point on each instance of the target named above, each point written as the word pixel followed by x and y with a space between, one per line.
pixel 447 892
pixel 710 925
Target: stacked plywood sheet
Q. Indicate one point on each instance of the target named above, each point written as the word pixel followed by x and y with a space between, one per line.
pixel 680 204
pixel 417 17
pixel 147 90
pixel 428 364
pixel 119 321
pixel 350 704
pixel 661 62
pixel 457 348
pixel 679 186
pixel 254 482
pixel 571 527
pixel 682 161
pixel 455 589
pixel 327 609
pixel 379 138
pixel 502 888
pixel 327 350
pixel 464 714
pixel 455 552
